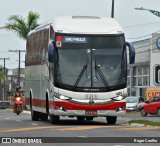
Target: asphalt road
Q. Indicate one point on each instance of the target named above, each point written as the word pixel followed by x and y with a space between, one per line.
pixel 12 125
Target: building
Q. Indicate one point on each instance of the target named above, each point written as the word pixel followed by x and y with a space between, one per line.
pixel 11 83
pixel 146 70
pixel 14 80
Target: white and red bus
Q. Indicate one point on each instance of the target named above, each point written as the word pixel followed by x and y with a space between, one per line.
pixel 76 66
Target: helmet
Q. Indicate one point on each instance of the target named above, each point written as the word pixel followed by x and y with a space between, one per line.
pixel 18 88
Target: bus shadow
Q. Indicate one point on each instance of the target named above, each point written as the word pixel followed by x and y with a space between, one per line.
pixel 75 122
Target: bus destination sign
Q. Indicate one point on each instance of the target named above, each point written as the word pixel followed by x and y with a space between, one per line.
pixel 73 39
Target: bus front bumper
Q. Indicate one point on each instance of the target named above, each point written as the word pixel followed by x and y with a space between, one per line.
pixel 94 113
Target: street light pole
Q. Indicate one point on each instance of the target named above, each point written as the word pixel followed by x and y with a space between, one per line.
pixel 112 10
pixel 157 13
pixel 19 66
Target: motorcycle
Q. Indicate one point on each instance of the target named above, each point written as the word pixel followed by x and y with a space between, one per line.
pixel 18 105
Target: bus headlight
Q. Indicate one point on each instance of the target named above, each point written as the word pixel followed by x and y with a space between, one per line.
pixel 118 98
pixel 62 97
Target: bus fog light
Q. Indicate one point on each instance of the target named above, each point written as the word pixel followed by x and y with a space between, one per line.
pixel 119 109
pixel 62 108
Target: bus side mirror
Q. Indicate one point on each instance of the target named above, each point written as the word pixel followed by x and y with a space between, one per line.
pixel 51 52
pixel 131 53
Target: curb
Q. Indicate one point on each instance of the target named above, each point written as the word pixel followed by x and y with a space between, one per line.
pixel 137 125
pixel 26 112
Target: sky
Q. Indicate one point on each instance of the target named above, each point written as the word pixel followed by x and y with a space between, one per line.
pixel 136 23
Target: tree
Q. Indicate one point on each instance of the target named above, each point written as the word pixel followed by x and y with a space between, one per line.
pixel 22 26
pixel 2 75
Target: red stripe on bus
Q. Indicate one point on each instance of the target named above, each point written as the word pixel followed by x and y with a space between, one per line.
pixel 75 106
pixel 36 102
pixel 39 103
pixel 27 101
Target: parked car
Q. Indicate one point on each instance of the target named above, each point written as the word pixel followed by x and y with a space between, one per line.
pixel 152 106
pixel 4 104
pixel 141 102
pixel 133 103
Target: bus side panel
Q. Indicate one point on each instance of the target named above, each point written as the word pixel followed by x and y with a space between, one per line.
pixel 37 70
pixel 33 85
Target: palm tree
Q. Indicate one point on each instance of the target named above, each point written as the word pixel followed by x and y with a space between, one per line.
pixel 20 26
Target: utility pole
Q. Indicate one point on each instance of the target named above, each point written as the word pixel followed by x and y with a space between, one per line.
pixel 112 10
pixel 4 84
pixel 19 66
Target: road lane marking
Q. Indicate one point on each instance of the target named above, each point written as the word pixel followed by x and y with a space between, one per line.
pixel 80 128
pixel 84 128
pixel 61 128
pixel 34 124
pixel 27 129
pixel 108 127
pixel 7 118
pixel 76 128
pixel 137 128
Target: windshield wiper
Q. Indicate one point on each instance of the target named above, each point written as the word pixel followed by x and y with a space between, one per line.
pixel 98 70
pixel 80 75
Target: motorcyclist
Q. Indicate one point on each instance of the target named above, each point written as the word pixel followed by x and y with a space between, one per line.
pixel 17 93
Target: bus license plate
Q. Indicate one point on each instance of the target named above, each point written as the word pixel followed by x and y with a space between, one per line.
pixel 90 112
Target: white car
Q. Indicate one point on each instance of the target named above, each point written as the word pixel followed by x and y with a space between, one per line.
pixel 133 103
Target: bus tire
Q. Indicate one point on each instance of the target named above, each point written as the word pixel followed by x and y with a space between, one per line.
pixel 89 118
pixel 47 104
pixel 34 114
pixel 111 120
pixel 44 117
pixel 54 119
pixel 80 118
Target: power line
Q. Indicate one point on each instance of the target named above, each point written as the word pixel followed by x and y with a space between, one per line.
pixel 146 51
pixel 144 35
pixel 19 68
pixel 3 52
pixel 6 34
pixel 145 45
pixel 145 24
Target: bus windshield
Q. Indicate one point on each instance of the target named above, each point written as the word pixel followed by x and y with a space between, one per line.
pixel 91 62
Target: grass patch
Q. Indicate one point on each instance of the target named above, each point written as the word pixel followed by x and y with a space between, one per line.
pixel 145 122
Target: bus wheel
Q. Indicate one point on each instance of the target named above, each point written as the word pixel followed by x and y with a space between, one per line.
pixel 44 117
pixel 34 115
pixel 54 119
pixel 111 119
pixel 89 118
pixel 80 118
